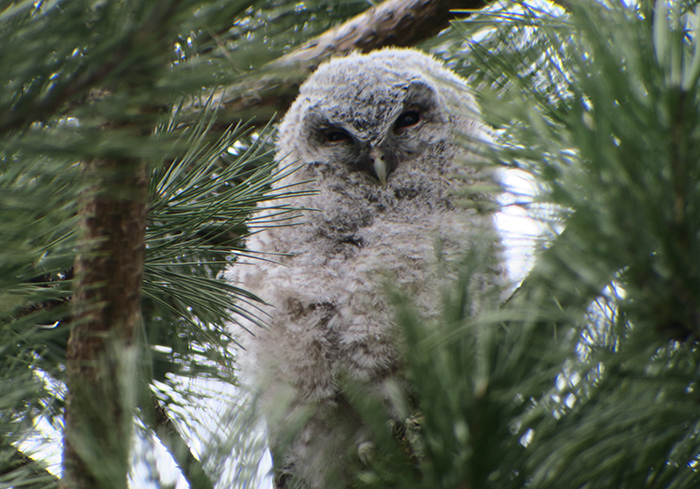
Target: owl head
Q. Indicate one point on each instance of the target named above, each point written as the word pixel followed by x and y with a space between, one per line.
pixel 377 115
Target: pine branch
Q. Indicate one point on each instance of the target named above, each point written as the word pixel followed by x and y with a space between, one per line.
pixel 38 478
pixel 392 23
pixel 569 290
pixel 169 435
pixel 39 103
pixel 33 109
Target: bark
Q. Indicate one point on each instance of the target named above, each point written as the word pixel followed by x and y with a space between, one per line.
pixel 392 23
pixel 101 355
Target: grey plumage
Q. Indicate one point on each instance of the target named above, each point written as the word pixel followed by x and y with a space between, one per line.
pixel 375 139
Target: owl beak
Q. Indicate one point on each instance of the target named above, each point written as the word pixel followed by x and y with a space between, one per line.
pixel 379 165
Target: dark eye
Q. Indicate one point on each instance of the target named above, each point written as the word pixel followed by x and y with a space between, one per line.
pixel 337 135
pixel 407 119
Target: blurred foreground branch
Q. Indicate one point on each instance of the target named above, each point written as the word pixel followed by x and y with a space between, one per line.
pixel 169 435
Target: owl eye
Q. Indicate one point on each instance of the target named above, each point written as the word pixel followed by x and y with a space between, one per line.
pixel 407 119
pixel 336 135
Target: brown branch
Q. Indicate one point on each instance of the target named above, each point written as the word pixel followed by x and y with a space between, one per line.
pixel 392 23
pixel 101 355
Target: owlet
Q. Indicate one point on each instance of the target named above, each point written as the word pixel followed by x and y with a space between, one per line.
pixel 380 145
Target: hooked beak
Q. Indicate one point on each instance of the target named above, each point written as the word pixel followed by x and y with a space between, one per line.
pixel 379 165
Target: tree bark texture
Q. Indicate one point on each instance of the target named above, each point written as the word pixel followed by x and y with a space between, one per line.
pixel 392 23
pixel 101 356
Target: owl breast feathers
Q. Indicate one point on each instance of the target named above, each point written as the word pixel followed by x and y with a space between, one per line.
pixel 380 144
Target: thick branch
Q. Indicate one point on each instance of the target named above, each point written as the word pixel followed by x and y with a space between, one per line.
pixel 392 23
pixel 101 357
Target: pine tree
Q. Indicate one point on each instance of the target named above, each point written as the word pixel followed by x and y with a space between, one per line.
pixel 119 210
pixel 112 159
pixel 587 375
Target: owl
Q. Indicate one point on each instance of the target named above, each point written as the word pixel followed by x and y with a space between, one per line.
pixel 377 148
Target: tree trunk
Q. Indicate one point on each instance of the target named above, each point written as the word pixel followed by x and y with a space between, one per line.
pixel 102 358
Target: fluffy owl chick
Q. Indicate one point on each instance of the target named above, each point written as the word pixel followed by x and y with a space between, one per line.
pixel 375 139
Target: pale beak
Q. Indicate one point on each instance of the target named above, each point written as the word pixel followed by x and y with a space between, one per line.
pixel 379 165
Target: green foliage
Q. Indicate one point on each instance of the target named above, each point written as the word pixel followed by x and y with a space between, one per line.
pixel 84 79
pixel 587 375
